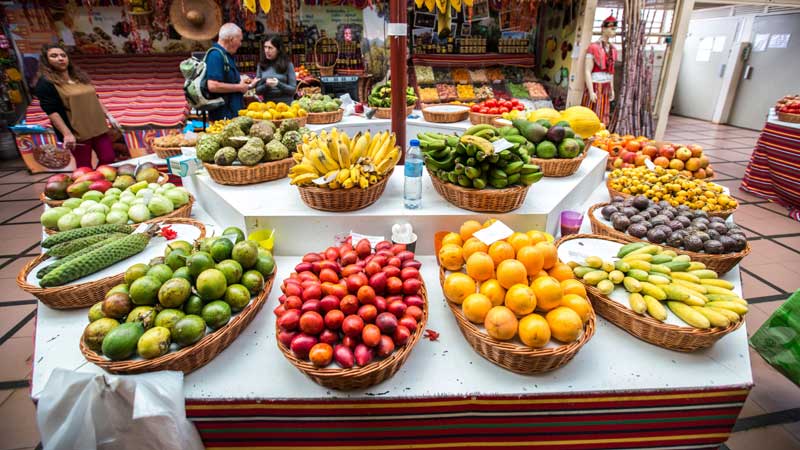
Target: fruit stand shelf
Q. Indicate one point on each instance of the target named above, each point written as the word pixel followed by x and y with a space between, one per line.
pixel 479 60
pixel 301 229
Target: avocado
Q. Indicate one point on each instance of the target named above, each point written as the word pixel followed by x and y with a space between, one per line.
pixel 581 144
pixel 546 150
pixel 545 123
pixel 532 131
pixel 120 342
pixel 568 148
pixel 555 134
pixel 569 132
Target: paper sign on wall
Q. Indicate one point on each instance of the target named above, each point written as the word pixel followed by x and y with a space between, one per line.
pixel 779 40
pixel 760 42
pixel 719 44
pixel 703 55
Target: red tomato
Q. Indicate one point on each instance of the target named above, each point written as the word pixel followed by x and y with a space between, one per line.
pixel 484 110
pixel 494 111
pixel 475 108
pixel 519 107
pixel 515 101
pixel 503 110
pixel 507 104
pixel 490 103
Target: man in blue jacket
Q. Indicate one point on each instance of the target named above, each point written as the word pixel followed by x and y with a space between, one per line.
pixel 223 76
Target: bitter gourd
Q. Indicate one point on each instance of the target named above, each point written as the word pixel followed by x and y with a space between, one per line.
pixel 77 233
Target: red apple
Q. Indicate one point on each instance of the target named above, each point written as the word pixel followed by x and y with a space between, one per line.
pixel 667 151
pixel 676 164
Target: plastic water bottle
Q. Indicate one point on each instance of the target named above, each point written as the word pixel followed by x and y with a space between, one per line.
pixel 412 189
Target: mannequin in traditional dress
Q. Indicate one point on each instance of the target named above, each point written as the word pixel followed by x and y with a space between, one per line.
pixel 599 72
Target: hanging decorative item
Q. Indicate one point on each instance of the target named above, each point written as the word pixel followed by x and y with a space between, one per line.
pixel 198 20
pixel 266 5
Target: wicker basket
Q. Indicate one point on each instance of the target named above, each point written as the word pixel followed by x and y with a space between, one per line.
pixel 326 117
pixel 301 121
pixel 481 200
pixel 325 71
pixel 559 167
pixel 361 377
pixel 478 118
pixel 509 355
pixel 718 263
pixel 723 214
pixel 240 174
pixel 672 337
pixel 342 200
pixel 432 114
pixel 84 294
pixel 167 152
pixel 184 211
pixel 386 113
pixel 789 117
pixel 193 357
pixel 50 202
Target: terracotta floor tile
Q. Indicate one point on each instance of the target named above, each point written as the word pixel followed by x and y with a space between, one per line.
pixel 18 422
pixel 780 274
pixel 730 169
pixel 12 292
pixel 782 210
pixel 754 319
pixel 763 221
pixel 12 315
pixel 17 238
pixel 11 209
pixel 31 216
pixel 751 408
pixel 793 242
pixel 6 188
pixel 772 391
pixel 753 288
pixel 16 354
pixel 745 141
pixel 773 252
pixel 777 436
pixel 11 270
pixel 27 193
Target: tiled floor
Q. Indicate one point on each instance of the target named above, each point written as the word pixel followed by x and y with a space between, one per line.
pixel 769 274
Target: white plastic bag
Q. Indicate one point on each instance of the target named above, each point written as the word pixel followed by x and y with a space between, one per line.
pixel 85 411
pixel 348 105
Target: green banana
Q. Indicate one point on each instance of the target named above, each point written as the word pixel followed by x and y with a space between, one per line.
pixel 530 178
pixel 447 164
pixel 477 128
pixel 513 179
pixel 514 167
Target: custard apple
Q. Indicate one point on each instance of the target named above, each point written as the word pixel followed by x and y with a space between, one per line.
pixel 289 125
pixel 291 139
pixel 275 151
pixel 225 156
pixel 244 123
pixel 251 154
pixel 207 146
pixel 232 130
pixel 263 130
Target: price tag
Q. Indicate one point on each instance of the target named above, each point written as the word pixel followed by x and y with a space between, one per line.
pixel 649 164
pixel 373 240
pixel 142 227
pixel 494 233
pixel 501 144
pixel 323 180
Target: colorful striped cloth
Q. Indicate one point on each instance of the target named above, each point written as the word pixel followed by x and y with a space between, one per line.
pixel 138 90
pixel 774 169
pixel 644 419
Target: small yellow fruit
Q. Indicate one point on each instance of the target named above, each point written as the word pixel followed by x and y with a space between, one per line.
pixel 501 323
pixel 450 257
pixel 520 299
pixel 457 286
pixel 493 290
pixel 565 324
pixel 534 331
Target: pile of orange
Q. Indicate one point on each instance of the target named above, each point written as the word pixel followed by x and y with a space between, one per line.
pixel 614 144
pixel 515 287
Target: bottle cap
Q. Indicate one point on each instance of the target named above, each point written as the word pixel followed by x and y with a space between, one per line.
pixel 414 143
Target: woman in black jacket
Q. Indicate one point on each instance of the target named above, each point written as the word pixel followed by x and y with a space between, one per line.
pixel 78 117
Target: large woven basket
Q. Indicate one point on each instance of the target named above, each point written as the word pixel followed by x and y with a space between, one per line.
pixel 301 121
pixel 361 377
pixel 386 113
pixel 49 201
pixel 326 117
pixel 509 355
pixel 613 193
pixel 240 174
pixel 559 167
pixel 84 294
pixel 183 211
pixel 167 152
pixel 481 200
pixel 432 114
pixel 478 118
pixel 342 200
pixel 672 337
pixel 193 357
pixel 718 263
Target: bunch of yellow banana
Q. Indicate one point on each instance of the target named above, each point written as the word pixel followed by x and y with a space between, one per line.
pixel 334 160
pixel 217 126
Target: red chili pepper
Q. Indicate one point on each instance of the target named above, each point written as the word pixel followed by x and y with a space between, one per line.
pixel 432 335
pixel 168 233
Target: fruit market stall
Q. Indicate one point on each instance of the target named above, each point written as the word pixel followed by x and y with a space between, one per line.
pixel 772 172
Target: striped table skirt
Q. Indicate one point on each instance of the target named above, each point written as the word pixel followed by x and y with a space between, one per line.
pixel 686 419
pixel 774 169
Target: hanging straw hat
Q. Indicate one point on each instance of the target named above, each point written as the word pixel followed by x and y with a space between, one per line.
pixel 198 20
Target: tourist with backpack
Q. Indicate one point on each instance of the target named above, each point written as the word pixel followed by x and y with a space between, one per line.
pixel 222 76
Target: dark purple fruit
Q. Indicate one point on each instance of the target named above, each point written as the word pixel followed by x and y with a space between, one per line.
pixel 669 214
pixel 659 220
pixel 656 236
pixel 675 239
pixel 685 221
pixel 700 225
pixel 641 202
pixel 636 218
pixel 628 201
pixel 713 247
pixel 693 243
pixel 630 211
pixel 618 198
pixel 702 235
pixel 728 243
pixel 620 222
pixel 608 211
pixel 675 225
pixel 700 213
pixel 713 234
pixel 664 204
pixel 683 208
pixel 637 230
pixel 741 242
pixel 719 227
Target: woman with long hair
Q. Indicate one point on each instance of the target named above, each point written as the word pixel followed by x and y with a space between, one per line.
pixel 70 100
pixel 275 72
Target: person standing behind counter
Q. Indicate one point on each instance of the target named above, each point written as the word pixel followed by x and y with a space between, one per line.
pixel 275 72
pixel 223 76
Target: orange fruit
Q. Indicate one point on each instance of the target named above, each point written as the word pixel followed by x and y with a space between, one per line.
pixel 519 240
pixel 501 323
pixel 548 292
pixel 480 266
pixel 565 324
pixel 540 274
pixel 493 290
pixel 467 228
pixel 489 222
pixel 520 299
pixel 511 272
pixel 475 307
pixel 550 254
pixel 536 236
pixel 501 251
pixel 532 258
pixel 473 245
pixel 573 287
pixel 451 257
pixel 452 238
pixel 534 331
pixel 578 304
pixel 457 286
pixel 561 272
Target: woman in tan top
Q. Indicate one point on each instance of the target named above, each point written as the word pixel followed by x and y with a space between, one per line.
pixel 79 119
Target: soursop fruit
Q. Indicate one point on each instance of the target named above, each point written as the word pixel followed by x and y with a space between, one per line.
pixel 263 130
pixel 275 151
pixel 244 123
pixel 291 139
pixel 232 130
pixel 225 156
pixel 304 131
pixel 251 154
pixel 278 136
pixel 207 146
pixel 288 125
